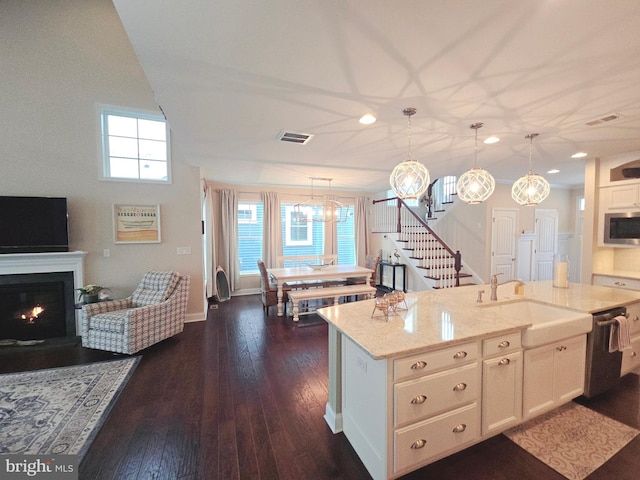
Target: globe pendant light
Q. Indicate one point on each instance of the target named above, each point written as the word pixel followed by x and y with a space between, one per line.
pixel 409 179
pixel 476 185
pixel 531 189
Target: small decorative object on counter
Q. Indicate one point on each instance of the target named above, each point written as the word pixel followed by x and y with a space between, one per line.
pixel 561 270
pixel 401 303
pixel 382 305
pixel 89 293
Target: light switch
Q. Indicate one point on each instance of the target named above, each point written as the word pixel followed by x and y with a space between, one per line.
pixel 106 253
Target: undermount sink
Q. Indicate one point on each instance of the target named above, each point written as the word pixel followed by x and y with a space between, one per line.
pixel 549 323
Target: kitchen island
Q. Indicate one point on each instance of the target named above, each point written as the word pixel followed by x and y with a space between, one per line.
pixel 447 372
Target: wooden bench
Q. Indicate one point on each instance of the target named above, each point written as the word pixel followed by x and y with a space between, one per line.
pixel 297 296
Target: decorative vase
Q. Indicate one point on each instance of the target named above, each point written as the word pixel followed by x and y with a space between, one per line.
pixel 561 271
pixel 89 298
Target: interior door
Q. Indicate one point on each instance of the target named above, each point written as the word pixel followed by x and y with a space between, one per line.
pixel 503 242
pixel 546 243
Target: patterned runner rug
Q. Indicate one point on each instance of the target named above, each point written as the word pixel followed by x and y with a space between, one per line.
pixel 573 440
pixel 59 410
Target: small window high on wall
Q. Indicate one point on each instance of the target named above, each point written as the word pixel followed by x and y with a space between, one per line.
pixel 135 146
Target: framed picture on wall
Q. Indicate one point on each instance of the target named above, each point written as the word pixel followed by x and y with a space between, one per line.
pixel 136 223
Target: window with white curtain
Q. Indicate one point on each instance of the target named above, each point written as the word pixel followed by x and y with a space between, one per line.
pixel 250 221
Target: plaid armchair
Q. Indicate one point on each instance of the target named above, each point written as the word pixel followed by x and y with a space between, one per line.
pixel 154 311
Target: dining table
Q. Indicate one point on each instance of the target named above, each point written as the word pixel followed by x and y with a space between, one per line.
pixel 311 273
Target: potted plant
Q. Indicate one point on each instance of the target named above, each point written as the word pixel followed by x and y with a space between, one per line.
pixel 89 293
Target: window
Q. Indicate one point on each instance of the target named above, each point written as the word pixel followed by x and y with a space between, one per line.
pixel 250 220
pixel 347 240
pixel 307 238
pixel 135 146
pixel 297 233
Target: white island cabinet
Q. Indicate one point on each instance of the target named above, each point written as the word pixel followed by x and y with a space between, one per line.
pixel 553 374
pixel 501 383
pixel 631 356
pixel 444 373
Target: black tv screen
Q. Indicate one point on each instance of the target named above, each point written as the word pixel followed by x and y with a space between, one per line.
pixel 33 224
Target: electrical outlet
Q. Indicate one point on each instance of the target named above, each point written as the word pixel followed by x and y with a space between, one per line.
pixel 361 363
pixel 184 250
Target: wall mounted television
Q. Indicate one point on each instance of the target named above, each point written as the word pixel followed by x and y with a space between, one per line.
pixel 33 225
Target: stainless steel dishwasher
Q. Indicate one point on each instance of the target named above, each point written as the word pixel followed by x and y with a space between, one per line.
pixel 603 367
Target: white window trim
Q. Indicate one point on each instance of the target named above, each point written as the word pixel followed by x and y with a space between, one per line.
pixel 297 243
pixel 254 212
pixel 103 150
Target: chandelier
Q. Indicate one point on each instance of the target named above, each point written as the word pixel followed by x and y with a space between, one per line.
pixel 326 211
pixel 476 185
pixel 531 189
pixel 409 179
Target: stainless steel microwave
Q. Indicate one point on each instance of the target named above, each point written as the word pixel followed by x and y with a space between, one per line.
pixel 622 228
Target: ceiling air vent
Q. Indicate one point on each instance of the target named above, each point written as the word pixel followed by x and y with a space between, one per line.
pixel 605 119
pixel 294 137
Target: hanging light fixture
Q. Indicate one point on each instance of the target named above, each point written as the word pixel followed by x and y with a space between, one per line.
pixel 326 211
pixel 476 185
pixel 531 189
pixel 409 179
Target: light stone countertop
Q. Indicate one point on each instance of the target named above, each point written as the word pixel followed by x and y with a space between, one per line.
pixel 438 318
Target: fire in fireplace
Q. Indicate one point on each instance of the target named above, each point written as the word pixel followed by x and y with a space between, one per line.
pixel 36 306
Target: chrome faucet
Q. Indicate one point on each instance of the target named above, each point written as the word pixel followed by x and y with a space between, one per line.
pixel 494 285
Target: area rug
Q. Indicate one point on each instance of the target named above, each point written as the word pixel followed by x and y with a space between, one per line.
pixel 59 410
pixel 573 440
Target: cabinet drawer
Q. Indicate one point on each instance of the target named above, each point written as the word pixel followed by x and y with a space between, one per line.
pixel 418 443
pixel 422 364
pixel 616 282
pixel 631 357
pixel 432 394
pixel 501 344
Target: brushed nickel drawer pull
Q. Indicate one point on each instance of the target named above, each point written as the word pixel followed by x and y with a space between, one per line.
pixel 620 284
pixel 460 354
pixel 504 361
pixel 459 387
pixel 459 428
pixel 418 365
pixel 504 344
pixel 419 399
pixel 419 444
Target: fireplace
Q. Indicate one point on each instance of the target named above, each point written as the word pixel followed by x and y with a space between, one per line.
pixel 37 306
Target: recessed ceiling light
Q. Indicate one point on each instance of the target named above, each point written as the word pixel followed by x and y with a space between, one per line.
pixel 491 139
pixel 367 119
pixel 555 170
pixel 579 155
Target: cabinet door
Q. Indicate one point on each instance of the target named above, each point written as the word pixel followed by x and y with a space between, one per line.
pixel 569 368
pixel 623 196
pixel 538 380
pixel 501 392
pixel 631 357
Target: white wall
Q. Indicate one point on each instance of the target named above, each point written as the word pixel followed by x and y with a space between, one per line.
pixel 468 227
pixel 59 60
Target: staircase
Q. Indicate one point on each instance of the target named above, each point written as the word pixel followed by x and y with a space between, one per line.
pixel 424 251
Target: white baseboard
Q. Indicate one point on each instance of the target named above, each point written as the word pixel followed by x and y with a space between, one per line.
pixel 333 420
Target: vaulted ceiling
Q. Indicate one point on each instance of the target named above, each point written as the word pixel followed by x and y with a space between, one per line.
pixel 231 75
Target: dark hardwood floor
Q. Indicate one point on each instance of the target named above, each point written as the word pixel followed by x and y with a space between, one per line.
pixel 242 396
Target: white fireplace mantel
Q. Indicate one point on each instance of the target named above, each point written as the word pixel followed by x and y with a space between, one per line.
pixel 17 263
